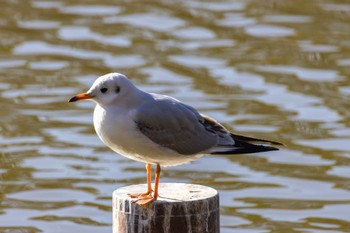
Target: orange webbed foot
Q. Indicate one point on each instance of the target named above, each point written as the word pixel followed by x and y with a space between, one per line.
pixel 136 195
pixel 145 200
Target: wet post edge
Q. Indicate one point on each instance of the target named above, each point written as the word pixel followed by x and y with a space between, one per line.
pixel 179 208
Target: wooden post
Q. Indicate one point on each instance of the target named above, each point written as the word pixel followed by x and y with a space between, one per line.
pixel 180 208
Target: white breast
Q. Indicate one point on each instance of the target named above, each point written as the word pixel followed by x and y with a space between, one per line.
pixel 116 128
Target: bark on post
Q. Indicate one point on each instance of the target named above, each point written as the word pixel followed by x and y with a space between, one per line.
pixel 180 208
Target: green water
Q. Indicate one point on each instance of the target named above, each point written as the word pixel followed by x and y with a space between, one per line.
pixel 270 69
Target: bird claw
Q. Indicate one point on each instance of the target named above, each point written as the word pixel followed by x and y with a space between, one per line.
pixel 135 195
pixel 138 195
pixel 144 200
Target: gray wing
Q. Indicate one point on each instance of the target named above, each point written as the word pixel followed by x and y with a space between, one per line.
pixel 177 126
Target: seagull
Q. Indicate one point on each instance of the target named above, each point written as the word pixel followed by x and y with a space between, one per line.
pixel 158 130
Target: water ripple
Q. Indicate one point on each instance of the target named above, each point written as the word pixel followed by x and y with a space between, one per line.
pixel 271 70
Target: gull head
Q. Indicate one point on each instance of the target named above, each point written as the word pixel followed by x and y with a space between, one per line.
pixel 109 89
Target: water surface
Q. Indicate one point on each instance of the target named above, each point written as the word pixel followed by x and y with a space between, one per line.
pixel 271 69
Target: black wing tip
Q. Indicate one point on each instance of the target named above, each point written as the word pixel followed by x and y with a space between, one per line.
pixel 248 145
pixel 248 150
pixel 277 143
pixel 256 140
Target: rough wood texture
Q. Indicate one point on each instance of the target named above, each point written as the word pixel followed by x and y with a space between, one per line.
pixel 181 208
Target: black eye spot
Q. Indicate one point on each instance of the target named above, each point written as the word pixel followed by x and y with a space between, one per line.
pixel 104 90
pixel 117 89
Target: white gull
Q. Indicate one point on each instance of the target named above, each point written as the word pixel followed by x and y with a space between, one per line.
pixel 158 129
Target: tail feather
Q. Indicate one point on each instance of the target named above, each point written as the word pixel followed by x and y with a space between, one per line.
pixel 245 145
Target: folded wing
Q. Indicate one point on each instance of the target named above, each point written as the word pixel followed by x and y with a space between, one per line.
pixel 174 125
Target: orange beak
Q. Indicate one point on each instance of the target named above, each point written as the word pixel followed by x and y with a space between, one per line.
pixel 82 96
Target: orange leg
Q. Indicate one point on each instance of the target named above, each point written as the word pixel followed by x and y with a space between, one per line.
pixel 145 200
pixel 156 182
pixel 149 178
pixel 149 187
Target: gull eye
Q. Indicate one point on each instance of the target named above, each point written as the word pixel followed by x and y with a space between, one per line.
pixel 104 90
pixel 117 89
